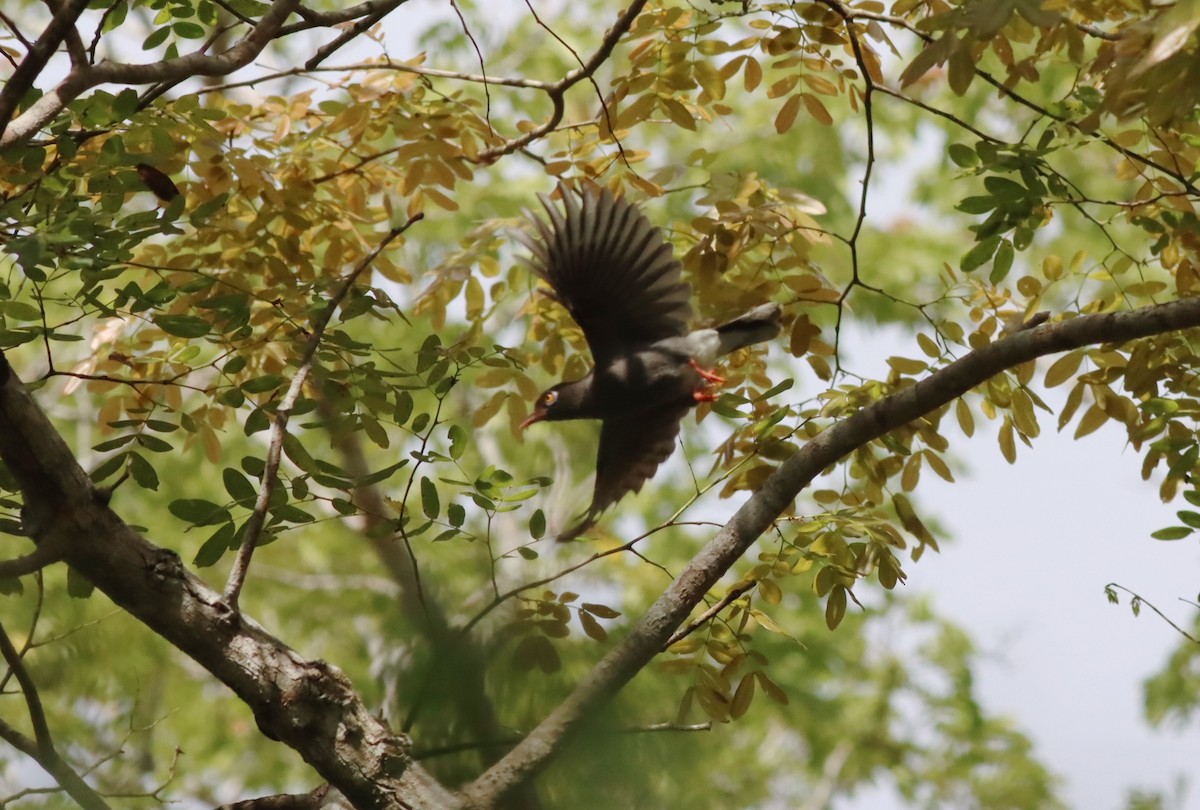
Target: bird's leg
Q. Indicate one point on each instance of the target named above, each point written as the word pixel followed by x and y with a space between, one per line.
pixel 705 373
pixel 701 394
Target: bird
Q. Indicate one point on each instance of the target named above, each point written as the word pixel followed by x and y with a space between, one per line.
pixel 616 276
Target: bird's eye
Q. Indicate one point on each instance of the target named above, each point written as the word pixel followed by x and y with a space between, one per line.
pixel 549 398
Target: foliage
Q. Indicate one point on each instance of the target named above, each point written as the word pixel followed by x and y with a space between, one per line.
pixel 315 260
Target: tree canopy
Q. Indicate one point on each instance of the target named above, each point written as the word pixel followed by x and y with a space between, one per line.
pixel 269 530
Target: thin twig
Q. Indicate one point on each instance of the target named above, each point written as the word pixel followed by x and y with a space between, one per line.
pixel 254 526
pixel 559 88
pixel 707 615
pixel 41 748
pixel 1161 615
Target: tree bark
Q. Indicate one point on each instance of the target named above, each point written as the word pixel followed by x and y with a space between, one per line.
pixel 307 704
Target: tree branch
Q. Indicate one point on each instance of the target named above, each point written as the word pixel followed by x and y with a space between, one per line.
pixel 254 526
pixel 307 704
pixel 26 564
pixel 559 88
pixel 62 25
pixel 779 490
pixel 83 77
pixel 41 748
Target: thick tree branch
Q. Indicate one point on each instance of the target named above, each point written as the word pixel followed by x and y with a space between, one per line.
pixel 83 77
pixel 61 26
pixel 306 704
pixel 757 515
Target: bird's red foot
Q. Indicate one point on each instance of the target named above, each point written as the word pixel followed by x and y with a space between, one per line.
pixel 700 395
pixel 706 374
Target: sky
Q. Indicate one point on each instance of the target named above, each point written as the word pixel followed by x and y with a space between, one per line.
pixel 1027 551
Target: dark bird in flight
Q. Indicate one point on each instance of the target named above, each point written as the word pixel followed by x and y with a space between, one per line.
pixel 157 181
pixel 612 271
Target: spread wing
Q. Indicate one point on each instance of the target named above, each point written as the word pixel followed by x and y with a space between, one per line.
pixel 631 448
pixel 611 269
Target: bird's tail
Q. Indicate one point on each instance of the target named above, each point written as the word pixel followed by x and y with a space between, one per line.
pixel 755 326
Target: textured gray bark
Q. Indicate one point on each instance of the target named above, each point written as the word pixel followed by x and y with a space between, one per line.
pixel 306 704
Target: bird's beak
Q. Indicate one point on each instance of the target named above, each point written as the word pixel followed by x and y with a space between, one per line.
pixel 536 416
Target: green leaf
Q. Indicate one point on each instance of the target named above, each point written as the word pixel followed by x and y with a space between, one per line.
pixel 296 451
pixel 977 256
pixel 1189 518
pixel 1002 263
pixel 154 444
pixel 143 474
pixel 1172 533
pixel 458 441
pixel 259 385
pixel 429 498
pixel 156 38
pixel 404 407
pixel 456 514
pixel 537 525
pixel 199 512
pixel 835 607
pixel 385 473
pixel 239 487
pixel 256 421
pixel 113 444
pixel 185 326
pixel 963 155
pixel 290 513
pixel 1005 189
pixel 215 546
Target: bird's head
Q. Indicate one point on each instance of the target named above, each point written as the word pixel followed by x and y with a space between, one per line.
pixel 549 407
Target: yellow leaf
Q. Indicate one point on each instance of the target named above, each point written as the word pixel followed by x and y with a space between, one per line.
pixel 1008 447
pixel 787 114
pixel 742 697
pixel 770 591
pixel 1022 411
pixel 911 474
pixel 928 345
pixel 1072 404
pixel 904 365
pixel 965 420
pixel 709 79
pixel 820 84
pixel 771 688
pixel 678 113
pixel 752 74
pixel 474 298
pixel 817 110
pixel 1063 369
pixel 961 70
pixel 765 621
pixel 939 466
pixel 1092 419
pixel 835 607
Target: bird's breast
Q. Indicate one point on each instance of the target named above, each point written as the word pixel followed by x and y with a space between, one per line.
pixel 646 379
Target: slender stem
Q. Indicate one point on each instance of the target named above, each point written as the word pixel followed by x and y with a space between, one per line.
pixel 254 526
